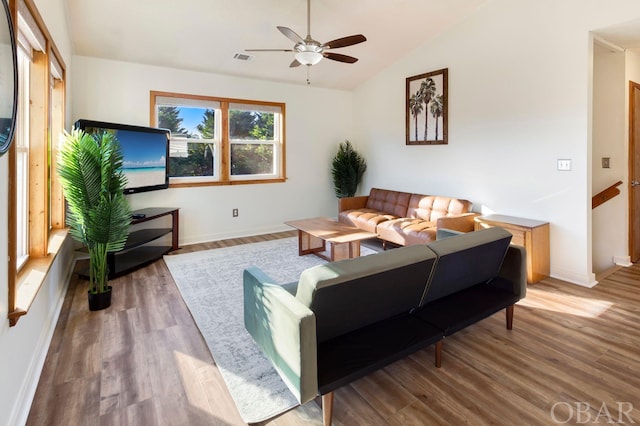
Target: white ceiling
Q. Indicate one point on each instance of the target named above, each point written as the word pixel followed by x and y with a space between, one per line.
pixel 204 35
pixel 625 35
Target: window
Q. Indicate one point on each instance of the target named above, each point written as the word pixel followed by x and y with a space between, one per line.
pixel 36 206
pixel 217 141
pixel 254 135
pixel 21 143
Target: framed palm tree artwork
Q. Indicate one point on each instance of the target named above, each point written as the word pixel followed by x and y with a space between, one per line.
pixel 427 112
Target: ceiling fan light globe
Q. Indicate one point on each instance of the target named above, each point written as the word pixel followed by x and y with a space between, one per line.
pixel 308 58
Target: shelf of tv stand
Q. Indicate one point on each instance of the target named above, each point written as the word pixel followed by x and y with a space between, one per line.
pixel 121 263
pixel 137 252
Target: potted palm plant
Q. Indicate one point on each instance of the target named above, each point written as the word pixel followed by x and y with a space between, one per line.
pixel 347 169
pixel 90 169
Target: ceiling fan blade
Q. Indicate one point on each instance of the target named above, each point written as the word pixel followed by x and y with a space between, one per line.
pixel 345 41
pixel 268 50
pixel 291 35
pixel 294 64
pixel 340 58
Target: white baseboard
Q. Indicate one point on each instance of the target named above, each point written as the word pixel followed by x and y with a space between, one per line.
pixel 583 281
pixel 622 261
pixel 188 240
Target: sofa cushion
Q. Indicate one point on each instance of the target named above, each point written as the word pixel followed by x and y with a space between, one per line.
pixel 354 293
pixel 363 351
pixel 420 225
pixel 407 232
pixel 466 260
pixel 394 203
pixel 431 207
pixel 366 219
pixel 456 311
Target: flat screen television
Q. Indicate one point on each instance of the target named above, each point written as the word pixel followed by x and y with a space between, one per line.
pixel 145 152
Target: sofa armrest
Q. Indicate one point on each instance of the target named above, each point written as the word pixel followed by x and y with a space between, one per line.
pixel 514 264
pixel 462 223
pixel 442 233
pixel 351 203
pixel 514 269
pixel 285 330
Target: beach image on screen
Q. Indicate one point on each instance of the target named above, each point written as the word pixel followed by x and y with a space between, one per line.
pixel 144 157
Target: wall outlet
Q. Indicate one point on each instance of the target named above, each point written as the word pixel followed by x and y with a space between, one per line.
pixel 564 164
pixel 235 212
pixel 605 162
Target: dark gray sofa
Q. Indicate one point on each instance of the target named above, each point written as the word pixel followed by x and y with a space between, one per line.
pixel 344 320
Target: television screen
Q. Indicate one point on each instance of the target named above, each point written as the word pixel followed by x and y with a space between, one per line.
pixel 145 152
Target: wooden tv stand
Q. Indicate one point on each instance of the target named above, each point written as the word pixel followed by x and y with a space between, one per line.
pixel 137 252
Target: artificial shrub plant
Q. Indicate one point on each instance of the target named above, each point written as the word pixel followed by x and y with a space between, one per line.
pixel 90 169
pixel 347 169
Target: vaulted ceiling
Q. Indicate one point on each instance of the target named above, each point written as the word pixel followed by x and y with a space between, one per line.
pixel 204 35
pixel 625 35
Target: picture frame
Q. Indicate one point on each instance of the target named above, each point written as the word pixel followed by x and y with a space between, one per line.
pixel 427 112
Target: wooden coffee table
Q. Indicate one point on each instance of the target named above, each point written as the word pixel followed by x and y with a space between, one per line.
pixel 344 240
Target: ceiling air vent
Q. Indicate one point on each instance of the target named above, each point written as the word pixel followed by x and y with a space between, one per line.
pixel 243 57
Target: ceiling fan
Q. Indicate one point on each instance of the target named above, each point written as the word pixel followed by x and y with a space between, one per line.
pixel 309 51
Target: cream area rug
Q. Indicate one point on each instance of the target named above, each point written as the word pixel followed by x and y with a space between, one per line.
pixel 211 285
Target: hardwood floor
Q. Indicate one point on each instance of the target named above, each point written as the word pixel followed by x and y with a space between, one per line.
pixel 573 357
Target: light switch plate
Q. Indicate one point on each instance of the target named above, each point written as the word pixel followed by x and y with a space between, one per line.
pixel 564 164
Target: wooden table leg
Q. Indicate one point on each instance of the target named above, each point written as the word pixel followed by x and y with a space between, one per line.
pixel 308 244
pixel 354 249
pixel 342 251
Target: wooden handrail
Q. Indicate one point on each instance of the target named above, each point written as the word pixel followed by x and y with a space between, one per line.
pixel 604 196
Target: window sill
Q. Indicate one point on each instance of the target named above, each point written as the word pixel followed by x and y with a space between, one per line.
pixel 226 182
pixel 33 274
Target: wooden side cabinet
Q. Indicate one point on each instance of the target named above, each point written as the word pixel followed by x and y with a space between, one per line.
pixel 533 235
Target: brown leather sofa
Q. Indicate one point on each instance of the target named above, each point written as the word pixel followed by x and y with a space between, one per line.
pixel 404 218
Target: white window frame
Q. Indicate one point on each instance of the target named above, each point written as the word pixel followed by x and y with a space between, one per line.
pixel 25 56
pixel 216 142
pixel 276 142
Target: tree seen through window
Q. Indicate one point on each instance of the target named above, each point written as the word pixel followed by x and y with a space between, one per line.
pixel 190 156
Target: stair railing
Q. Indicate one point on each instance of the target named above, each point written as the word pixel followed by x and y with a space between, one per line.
pixel 605 195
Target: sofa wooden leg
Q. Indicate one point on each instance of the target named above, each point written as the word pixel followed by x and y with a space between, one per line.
pixel 510 317
pixel 327 408
pixel 439 354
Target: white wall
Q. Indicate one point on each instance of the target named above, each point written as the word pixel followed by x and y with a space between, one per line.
pixel 317 121
pixel 610 224
pixel 53 12
pixel 519 99
pixel 25 346
pixel 632 66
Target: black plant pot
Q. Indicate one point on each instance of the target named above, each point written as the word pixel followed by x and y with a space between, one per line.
pixel 99 301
